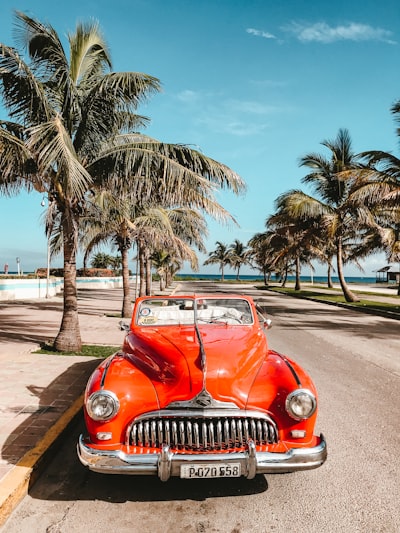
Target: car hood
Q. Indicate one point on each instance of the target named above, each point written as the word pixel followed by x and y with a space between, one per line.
pixel 172 359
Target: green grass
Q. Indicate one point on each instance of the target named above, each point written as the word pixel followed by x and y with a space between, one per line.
pixel 336 298
pixel 88 350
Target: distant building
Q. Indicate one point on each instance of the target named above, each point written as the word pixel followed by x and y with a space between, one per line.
pixel 388 274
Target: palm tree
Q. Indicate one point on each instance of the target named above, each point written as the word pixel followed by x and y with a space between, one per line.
pixel 261 255
pixel 293 240
pixel 334 183
pixel 67 113
pixel 239 256
pixel 159 229
pixel 380 190
pixel 155 230
pixel 221 256
pixel 72 133
pixel 161 261
pixel 102 260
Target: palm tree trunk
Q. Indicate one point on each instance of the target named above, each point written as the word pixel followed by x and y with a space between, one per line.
pixel 148 276
pixel 69 338
pixel 222 272
pixel 126 300
pixel 330 284
pixel 285 275
pixel 297 285
pixel 162 280
pixel 349 296
pixel 142 272
pixel 398 287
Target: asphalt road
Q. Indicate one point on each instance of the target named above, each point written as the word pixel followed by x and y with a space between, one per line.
pixel 354 360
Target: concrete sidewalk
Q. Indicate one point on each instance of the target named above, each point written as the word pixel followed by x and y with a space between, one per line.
pixel 40 394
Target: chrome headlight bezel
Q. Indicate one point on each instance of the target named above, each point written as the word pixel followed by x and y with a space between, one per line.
pixel 110 407
pixel 301 404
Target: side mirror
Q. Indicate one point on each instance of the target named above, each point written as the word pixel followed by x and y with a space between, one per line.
pixel 267 323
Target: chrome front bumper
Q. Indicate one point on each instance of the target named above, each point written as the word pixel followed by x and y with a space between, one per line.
pixel 166 463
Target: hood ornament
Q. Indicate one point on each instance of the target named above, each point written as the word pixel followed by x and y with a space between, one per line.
pixel 202 400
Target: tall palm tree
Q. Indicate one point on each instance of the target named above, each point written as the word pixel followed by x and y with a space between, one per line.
pixel 159 229
pixel 334 183
pixel 119 223
pixel 73 119
pixel 221 256
pixel 67 111
pixel 380 190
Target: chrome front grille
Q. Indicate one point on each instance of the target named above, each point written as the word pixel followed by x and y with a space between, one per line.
pixel 202 433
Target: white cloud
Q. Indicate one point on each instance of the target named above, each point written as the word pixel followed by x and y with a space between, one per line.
pixel 255 108
pixel 188 96
pixel 260 33
pixel 228 116
pixel 353 31
pixel 227 125
pixel 240 118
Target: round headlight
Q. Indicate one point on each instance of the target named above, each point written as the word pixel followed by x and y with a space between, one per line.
pixel 301 404
pixel 102 405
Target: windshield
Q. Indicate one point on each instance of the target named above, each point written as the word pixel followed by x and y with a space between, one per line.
pixel 178 311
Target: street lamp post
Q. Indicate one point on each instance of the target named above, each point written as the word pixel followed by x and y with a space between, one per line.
pixel 18 266
pixel 48 269
pixel 43 203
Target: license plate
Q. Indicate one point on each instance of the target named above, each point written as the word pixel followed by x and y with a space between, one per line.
pixel 204 471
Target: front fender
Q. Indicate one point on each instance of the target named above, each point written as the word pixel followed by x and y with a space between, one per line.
pixel 277 378
pixel 134 390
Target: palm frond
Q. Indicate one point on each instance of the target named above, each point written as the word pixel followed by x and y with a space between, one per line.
pixel 56 157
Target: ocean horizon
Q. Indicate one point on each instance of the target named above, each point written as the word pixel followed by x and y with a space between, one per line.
pixel 274 279
pixel 258 277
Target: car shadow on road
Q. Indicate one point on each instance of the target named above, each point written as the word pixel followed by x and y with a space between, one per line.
pixel 66 479
pixel 330 318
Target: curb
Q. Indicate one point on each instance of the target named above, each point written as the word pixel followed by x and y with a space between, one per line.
pixel 16 483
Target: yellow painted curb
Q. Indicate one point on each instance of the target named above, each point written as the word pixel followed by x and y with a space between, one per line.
pixel 15 484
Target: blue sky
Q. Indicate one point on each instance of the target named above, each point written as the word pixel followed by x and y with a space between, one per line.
pixel 255 84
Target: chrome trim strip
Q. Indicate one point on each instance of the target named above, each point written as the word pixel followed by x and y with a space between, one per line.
pixel 292 370
pixel 202 413
pixel 103 377
pixel 167 464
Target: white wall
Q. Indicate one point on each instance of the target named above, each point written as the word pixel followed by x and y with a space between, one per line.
pixel 27 289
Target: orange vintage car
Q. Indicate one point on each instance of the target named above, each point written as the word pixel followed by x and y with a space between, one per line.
pixel 195 392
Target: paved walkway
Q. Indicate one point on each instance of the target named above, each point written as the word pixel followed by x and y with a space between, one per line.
pixel 39 393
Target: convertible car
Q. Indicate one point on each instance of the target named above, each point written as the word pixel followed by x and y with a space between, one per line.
pixel 195 392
